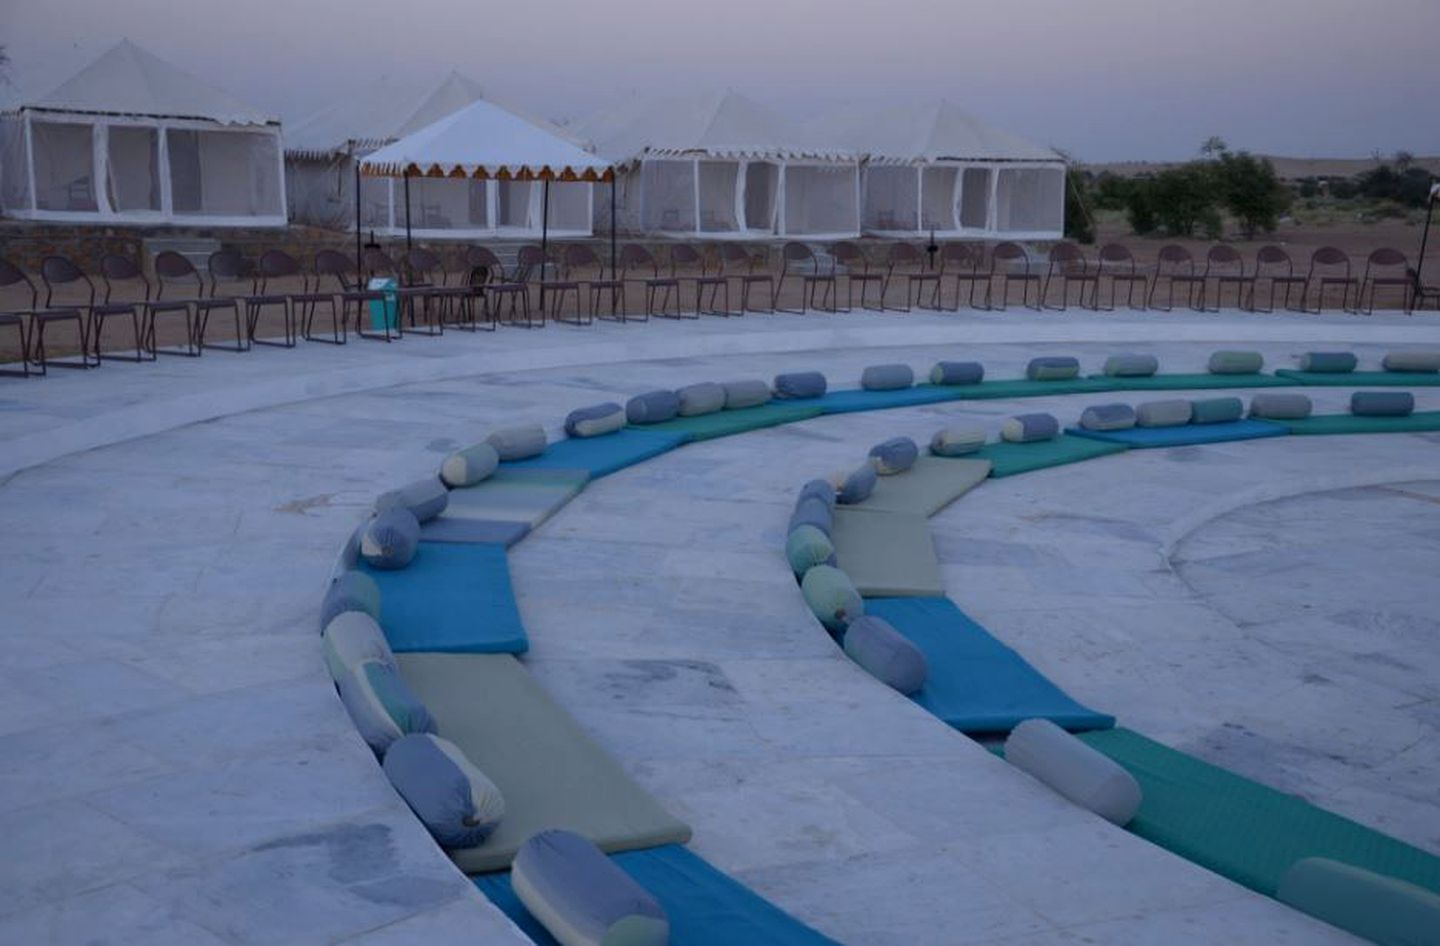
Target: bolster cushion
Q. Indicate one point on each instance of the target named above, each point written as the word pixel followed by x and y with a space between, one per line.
pixel 1236 362
pixel 652 407
pixel 808 546
pixel 1382 403
pixel 1028 428
pixel 1085 776
pixel 740 394
pixel 885 653
pixel 458 805
pixel 469 466
pixel 957 441
pixel 595 421
pixel 1329 362
pixel 1108 417
pixel 518 443
pixel 350 639
pixel 1163 413
pixel 1381 909
pixel 800 384
pixel 1272 405
pixel 350 591
pixel 1411 361
pixel 812 511
pixel 425 499
pixel 1053 368
pixel 1131 366
pixel 1216 410
pixel 855 486
pixel 821 489
pixel 957 372
pixel 887 377
pixel 831 596
pixel 582 897
pixel 382 705
pixel 391 539
pixel 895 455
pixel 706 397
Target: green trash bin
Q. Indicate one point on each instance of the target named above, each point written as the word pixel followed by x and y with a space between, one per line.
pixel 384 315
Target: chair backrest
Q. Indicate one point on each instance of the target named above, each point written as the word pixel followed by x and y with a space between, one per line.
pixel 735 258
pixel 1387 256
pixel 480 261
pixel 116 268
pixel 528 258
pixel 1066 253
pixel 683 254
pixel 378 263
pixel 580 256
pixel 962 255
pixel 905 254
pixel 1224 256
pixel 336 264
pixel 225 266
pixel 1117 254
pixel 170 268
pixel 12 275
pixel 1174 258
pixel 1330 257
pixel 422 263
pixel 797 252
pixel 1008 253
pixel 1274 256
pixel 849 255
pixel 635 256
pixel 277 264
pixel 56 271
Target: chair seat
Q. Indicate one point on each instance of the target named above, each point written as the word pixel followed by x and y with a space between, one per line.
pixel 115 308
pixel 303 297
pixel 274 299
pixel 11 318
pixel 922 276
pixel 54 315
pixel 1338 280
pixel 865 277
pixel 1283 279
pixel 216 303
pixel 1390 281
pixel 818 277
pixel 364 295
pixel 166 305
pixel 753 277
pixel 508 287
pixel 663 281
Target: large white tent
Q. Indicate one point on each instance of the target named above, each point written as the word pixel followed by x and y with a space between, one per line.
pixel 321 152
pixel 133 139
pixel 485 143
pixel 934 168
pixel 722 166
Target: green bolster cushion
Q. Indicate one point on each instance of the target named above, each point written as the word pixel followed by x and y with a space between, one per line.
pixel 812 511
pixel 1084 775
pixel 1053 368
pixel 1384 910
pixel 455 801
pixel 856 486
pixel 653 407
pixel 350 591
pixel 1272 405
pixel 808 546
pixel 350 639
pixel 1108 417
pixel 583 898
pixel 1131 366
pixel 1216 410
pixel 1236 362
pixel 1329 362
pixel 382 705
pixel 518 443
pixel 800 384
pixel 1382 403
pixel 1029 428
pixel 831 596
pixel 1162 413
pixel 822 490
pixel 957 441
pixel 888 656
pixel 425 499
pixel 1417 361
pixel 595 421
pixel 391 539
pixel 469 466
pixel 957 372
pixel 707 397
pixel 895 455
pixel 742 394
pixel 887 377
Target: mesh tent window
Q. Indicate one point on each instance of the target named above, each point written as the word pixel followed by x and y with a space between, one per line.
pixel 569 207
pixel 975 198
pixel 224 173
pixel 515 205
pixel 821 199
pixel 1030 200
pixel 892 197
pixel 64 162
pixel 937 198
pixel 716 184
pixel 445 203
pixel 762 187
pixel 132 180
pixel 14 168
pixel 669 196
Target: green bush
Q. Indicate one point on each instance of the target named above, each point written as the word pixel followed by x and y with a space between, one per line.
pixel 1250 190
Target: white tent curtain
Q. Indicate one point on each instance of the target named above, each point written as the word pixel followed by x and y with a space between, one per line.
pixel 1030 200
pixel 821 199
pixel 14 166
pixel 762 188
pixel 668 198
pixel 64 162
pixel 133 168
pixel 224 173
pixel 975 186
pixel 517 206
pixel 569 207
pixel 1000 200
pixel 892 197
pixel 716 183
pixel 937 198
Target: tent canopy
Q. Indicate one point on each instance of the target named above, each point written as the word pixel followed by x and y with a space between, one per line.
pixel 485 141
pixel 378 115
pixel 128 80
pixel 926 133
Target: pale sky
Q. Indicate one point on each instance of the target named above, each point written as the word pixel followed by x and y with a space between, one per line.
pixel 1103 80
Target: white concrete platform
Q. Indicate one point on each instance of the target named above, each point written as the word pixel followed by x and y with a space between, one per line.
pixel 178 768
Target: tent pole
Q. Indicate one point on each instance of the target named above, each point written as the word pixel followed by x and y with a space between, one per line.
pixel 544 237
pixel 356 161
pixel 407 211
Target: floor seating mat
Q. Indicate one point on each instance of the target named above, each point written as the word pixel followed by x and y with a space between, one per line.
pixel 1008 459
pixel 1196 382
pixel 886 554
pixel 551 773
pixel 929 486
pixel 452 598
pixel 976 683
pixel 603 455
pixel 529 496
pixel 1184 435
pixel 463 529
pixel 1361 379
pixel 1418 422
pixel 858 399
pixel 725 423
pixel 1023 387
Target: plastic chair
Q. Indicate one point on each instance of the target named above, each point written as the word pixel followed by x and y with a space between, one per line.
pixel 116 269
pixel 737 263
pixel 12 276
pixel 1224 265
pixel 857 270
pixel 1330 266
pixel 230 267
pixel 960 262
pixel 689 263
pixel 57 271
pixel 1117 263
pixel 580 258
pixel 1067 261
pixel 1177 267
pixel 1273 264
pixel 481 270
pixel 795 257
pixel 1003 262
pixel 665 289
pixel 907 261
pixel 1387 258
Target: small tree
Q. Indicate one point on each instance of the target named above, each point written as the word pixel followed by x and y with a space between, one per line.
pixel 1184 200
pixel 1251 192
pixel 1079 220
pixel 1140 206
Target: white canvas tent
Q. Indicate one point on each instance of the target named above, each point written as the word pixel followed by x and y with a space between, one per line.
pixel 133 139
pixel 321 152
pixel 722 166
pixel 934 168
pixel 483 142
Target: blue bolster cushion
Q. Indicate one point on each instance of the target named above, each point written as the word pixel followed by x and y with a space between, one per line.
pixel 455 801
pixel 885 653
pixel 1028 428
pixel 887 377
pixel 895 455
pixel 1273 405
pixel 391 539
pixel 799 384
pixel 350 591
pixel 584 898
pixel 1108 417
pixel 1329 362
pixel 1382 403
pixel 1053 368
pixel 1216 410
pixel 595 421
pixel 957 372
pixel 653 407
pixel 518 443
pixel 425 499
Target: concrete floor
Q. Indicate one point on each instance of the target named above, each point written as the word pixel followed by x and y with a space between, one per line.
pixel 180 769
